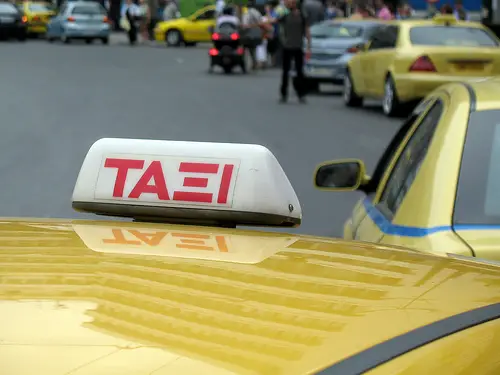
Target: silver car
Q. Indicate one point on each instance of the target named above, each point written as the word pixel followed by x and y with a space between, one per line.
pixel 333 43
pixel 85 20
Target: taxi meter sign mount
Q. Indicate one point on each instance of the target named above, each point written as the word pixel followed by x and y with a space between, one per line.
pixel 186 182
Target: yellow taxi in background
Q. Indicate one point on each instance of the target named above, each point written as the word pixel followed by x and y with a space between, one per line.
pixel 187 30
pixel 406 60
pixel 38 15
pixel 436 187
pixel 184 292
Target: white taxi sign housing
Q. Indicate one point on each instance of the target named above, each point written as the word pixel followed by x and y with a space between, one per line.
pixel 186 182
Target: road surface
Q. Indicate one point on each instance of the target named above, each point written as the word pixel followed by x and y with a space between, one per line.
pixel 56 100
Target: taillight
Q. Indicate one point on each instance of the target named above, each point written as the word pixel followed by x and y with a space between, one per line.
pixel 213 52
pixel 215 36
pixel 36 18
pixel 71 19
pixel 423 64
pixel 353 49
pixel 24 19
pixel 105 20
pixel 235 36
pixel 240 51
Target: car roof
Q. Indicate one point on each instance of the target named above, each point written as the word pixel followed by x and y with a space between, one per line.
pixel 483 92
pixel 221 300
pixel 429 22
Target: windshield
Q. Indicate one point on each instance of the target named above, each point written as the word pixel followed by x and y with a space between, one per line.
pixel 478 195
pixel 7 8
pixel 335 30
pixel 451 36
pixel 40 8
pixel 90 9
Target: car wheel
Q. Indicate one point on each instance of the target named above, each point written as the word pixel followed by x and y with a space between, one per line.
pixel 105 40
pixel 88 41
pixel 390 103
pixel 173 38
pixel 65 39
pixel 351 99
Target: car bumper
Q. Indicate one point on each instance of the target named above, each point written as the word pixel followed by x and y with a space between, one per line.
pixel 12 30
pixel 76 33
pixel 414 86
pixel 227 59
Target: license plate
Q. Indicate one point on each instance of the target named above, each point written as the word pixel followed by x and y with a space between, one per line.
pixel 319 72
pixel 470 67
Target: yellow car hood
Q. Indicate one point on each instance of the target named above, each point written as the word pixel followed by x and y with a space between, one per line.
pixel 102 298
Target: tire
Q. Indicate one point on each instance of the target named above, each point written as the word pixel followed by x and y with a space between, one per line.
pixel 311 86
pixel 22 37
pixel 243 68
pixel 390 103
pixel 351 99
pixel 105 40
pixel 88 41
pixel 65 39
pixel 173 38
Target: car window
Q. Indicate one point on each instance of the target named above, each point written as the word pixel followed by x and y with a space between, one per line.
pixel 408 164
pixel 8 8
pixel 478 193
pixel 208 15
pixel 393 146
pixel 335 30
pixel 40 7
pixel 451 36
pixel 384 37
pixel 90 9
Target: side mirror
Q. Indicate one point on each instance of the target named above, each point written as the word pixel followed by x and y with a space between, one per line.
pixel 342 175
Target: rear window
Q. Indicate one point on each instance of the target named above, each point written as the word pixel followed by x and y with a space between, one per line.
pixel 335 30
pixel 90 9
pixel 451 36
pixel 478 194
pixel 40 8
pixel 7 8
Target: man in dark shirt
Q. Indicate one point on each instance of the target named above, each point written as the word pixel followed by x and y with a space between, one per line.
pixel 294 26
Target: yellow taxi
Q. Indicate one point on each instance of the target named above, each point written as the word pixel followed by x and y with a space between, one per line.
pixel 182 291
pixel 436 185
pixel 38 15
pixel 187 30
pixel 406 60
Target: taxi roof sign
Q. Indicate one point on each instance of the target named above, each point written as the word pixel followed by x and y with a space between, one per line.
pixel 220 184
pixel 446 19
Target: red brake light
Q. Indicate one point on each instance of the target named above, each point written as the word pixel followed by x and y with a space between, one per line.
pixel 71 19
pixel 36 18
pixel 423 64
pixel 105 20
pixel 215 36
pixel 213 52
pixel 240 51
pixel 354 49
pixel 24 19
pixel 235 36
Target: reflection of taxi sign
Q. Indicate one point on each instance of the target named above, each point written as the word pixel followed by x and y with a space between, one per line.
pixel 446 19
pixel 186 182
pixel 180 243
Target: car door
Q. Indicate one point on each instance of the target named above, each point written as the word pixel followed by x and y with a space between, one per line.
pixel 378 58
pixel 197 31
pixel 396 170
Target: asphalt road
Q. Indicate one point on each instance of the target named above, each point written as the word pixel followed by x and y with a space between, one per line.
pixel 56 100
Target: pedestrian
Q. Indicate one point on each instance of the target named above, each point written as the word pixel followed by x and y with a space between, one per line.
pixel 460 13
pixel 273 43
pixel 251 23
pixel 315 11
pixel 384 12
pixel 446 9
pixel 145 18
pixel 227 16
pixel 432 9
pixel 131 17
pixel 294 27
pixel 171 11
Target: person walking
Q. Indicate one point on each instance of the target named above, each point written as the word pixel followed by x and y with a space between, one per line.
pixel 251 22
pixel 131 15
pixel 294 26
